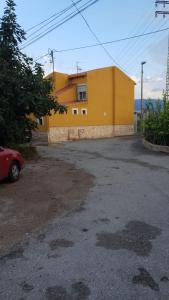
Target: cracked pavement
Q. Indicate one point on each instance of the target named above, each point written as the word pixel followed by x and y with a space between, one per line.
pixel 115 246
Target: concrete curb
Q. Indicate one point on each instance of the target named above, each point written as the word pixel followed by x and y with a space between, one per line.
pixel 156 148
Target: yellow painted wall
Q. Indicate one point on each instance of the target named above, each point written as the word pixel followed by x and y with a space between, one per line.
pixel 100 96
pixel 79 80
pixel 99 104
pixel 110 99
pixel 60 81
pixel 68 96
pixel 45 126
pixel 124 98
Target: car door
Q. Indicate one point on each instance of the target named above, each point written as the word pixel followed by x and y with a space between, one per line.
pixel 4 164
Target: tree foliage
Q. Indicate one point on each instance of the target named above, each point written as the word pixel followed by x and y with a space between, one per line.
pixel 156 124
pixel 23 90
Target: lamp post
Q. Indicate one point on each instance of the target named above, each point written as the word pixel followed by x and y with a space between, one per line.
pixel 142 73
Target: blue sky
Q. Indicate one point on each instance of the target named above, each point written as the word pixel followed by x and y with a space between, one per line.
pixel 110 20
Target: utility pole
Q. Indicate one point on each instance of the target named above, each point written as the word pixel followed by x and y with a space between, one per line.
pixel 161 12
pixel 167 76
pixel 164 13
pixel 51 54
pixel 142 74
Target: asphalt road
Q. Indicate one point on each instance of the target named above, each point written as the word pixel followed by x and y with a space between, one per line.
pixel 115 246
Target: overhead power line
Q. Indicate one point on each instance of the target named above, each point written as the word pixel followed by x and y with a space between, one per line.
pixel 136 42
pixel 142 45
pixel 138 45
pixel 167 74
pixel 56 25
pixel 140 53
pixel 40 57
pixel 57 14
pixel 144 19
pixel 51 20
pixel 107 43
pixel 114 41
pixel 94 34
pixel 50 28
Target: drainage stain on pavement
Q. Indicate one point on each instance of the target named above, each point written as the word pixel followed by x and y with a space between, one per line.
pixel 84 230
pixel 135 237
pixel 80 209
pixel 54 256
pixel 17 252
pixel 102 220
pixel 79 291
pixel 41 237
pixel 145 279
pixel 57 293
pixel 164 279
pixel 60 243
pixel 26 287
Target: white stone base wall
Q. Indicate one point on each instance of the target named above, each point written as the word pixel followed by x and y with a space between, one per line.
pixel 120 130
pixel 88 132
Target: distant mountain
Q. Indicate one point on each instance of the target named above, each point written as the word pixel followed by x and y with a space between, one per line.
pixel 137 104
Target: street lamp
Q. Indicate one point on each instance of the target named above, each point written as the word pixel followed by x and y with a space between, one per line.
pixel 142 73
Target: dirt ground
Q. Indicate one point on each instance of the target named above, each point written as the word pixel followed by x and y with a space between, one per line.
pixel 47 188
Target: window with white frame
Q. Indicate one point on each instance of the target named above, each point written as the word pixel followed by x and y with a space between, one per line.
pixel 84 111
pixel 75 111
pixel 81 92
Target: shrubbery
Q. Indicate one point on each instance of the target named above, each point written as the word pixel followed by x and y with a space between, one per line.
pixel 156 123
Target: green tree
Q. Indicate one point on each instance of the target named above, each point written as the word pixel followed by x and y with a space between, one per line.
pixel 156 124
pixel 23 90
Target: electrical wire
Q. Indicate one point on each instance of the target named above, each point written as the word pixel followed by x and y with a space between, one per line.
pixel 40 57
pixel 135 43
pixel 138 27
pixel 141 55
pixel 52 18
pixel 140 46
pixel 106 43
pixel 54 26
pixel 138 53
pixel 95 36
pixel 114 41
pixel 166 21
pixel 133 51
pixel 58 23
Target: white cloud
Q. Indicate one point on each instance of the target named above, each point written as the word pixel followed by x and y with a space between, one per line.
pixel 159 79
pixel 153 86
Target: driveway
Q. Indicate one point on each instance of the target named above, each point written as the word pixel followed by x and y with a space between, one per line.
pixel 115 246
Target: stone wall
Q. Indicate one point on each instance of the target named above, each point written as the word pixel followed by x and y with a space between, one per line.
pixel 88 132
pixel 120 130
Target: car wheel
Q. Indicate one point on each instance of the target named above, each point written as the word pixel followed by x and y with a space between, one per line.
pixel 14 172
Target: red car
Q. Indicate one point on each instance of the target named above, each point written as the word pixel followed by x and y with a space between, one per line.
pixel 11 163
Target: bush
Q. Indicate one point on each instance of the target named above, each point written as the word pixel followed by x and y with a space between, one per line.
pixel 28 152
pixel 156 123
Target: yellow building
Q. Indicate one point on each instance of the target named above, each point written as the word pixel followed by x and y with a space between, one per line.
pixel 100 104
